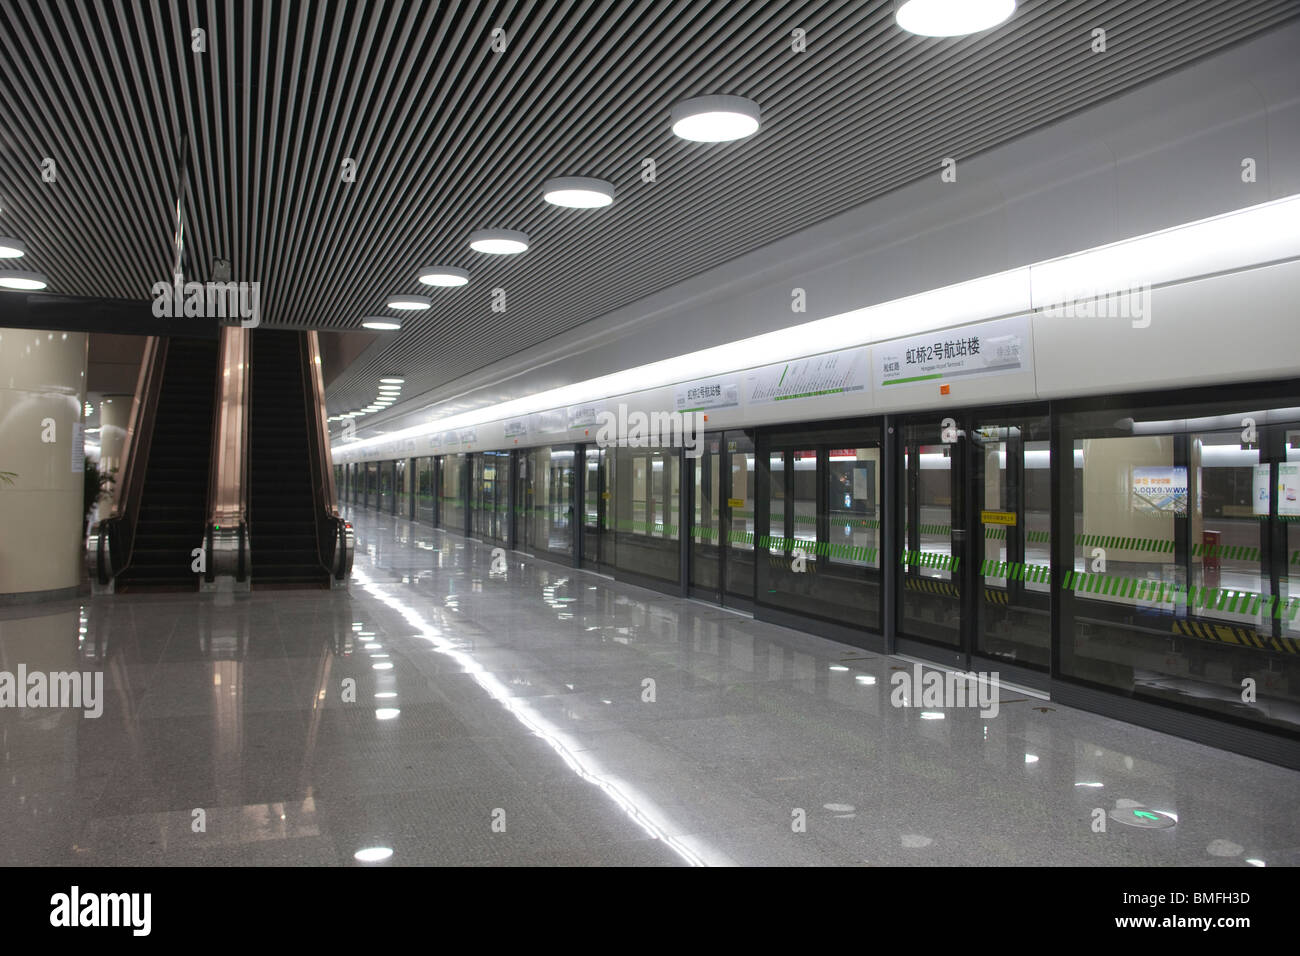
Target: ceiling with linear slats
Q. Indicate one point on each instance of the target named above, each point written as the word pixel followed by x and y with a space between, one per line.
pixel 449 136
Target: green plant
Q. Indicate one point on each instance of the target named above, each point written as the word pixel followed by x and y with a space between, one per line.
pixel 97 484
pixel 7 477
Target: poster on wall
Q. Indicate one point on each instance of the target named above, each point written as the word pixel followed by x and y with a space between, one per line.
pixel 1160 489
pixel 1259 491
pixel 973 351
pixel 1288 490
pixel 517 428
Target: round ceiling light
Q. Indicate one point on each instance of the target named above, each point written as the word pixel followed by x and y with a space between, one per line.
pixel 390 388
pixel 381 324
pixel 951 18
pixel 408 303
pixel 443 276
pixel 22 280
pixel 498 241
pixel 392 380
pixel 12 248
pixel 715 119
pixel 578 192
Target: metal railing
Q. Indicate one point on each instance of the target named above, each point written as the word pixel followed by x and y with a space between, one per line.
pixel 226 535
pixel 334 536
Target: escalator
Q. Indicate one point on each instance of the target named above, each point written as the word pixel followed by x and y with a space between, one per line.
pixel 282 505
pixel 227 460
pixel 174 495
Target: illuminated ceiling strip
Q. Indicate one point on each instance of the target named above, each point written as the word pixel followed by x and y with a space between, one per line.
pixel 1256 235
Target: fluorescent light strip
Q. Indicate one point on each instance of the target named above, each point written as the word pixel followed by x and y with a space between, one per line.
pixel 1266 233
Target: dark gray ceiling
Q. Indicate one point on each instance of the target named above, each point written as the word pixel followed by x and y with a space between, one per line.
pixel 449 136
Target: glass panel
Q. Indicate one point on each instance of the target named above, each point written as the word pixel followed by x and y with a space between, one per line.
pixel 740 532
pixel 372 484
pixel 403 504
pixel 931 595
pixel 424 491
pixel 706 520
pixel 552 483
pixel 386 486
pixel 853 499
pixel 452 494
pixel 647 488
pixel 830 497
pixel 1011 549
pixel 596 497
pixel 1181 583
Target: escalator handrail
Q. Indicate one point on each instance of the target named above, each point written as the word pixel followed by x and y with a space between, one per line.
pixel 333 534
pixel 114 537
pixel 228 476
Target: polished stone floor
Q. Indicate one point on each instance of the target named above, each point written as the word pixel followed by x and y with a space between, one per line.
pixel 538 715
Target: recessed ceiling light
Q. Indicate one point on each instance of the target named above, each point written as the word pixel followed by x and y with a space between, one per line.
pixel 951 18
pixel 12 248
pixel 390 388
pixel 578 192
pixel 408 303
pixel 22 280
pixel 392 380
pixel 443 276
pixel 715 119
pixel 381 325
pixel 372 408
pixel 498 241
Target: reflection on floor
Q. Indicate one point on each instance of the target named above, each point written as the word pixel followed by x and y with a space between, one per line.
pixel 540 715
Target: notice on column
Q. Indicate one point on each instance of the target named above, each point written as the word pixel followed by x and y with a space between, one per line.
pixel 78 448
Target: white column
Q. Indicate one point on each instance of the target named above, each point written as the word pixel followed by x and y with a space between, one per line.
pixel 42 389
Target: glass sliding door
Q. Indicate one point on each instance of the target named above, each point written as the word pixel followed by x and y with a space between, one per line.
pixel 424 491
pixel 706 519
pixel 452 493
pixel 645 485
pixel 386 486
pixel 597 485
pixel 821 555
pixel 549 480
pixel 723 488
pixel 975 533
pixel 401 491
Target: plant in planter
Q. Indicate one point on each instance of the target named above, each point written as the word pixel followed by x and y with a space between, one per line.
pixel 97 484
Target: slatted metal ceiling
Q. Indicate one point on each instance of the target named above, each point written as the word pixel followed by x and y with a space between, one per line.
pixel 449 136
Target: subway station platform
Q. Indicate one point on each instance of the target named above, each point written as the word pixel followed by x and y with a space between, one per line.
pixel 537 715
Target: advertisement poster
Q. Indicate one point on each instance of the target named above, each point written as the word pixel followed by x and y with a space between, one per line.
pixel 1259 493
pixel 1288 490
pixel 1161 490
